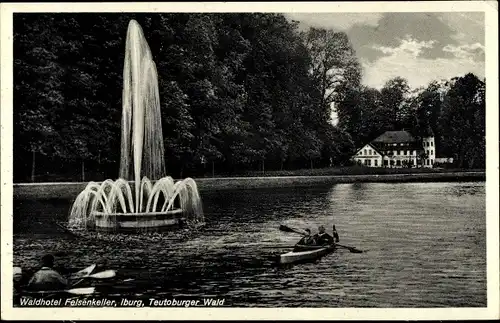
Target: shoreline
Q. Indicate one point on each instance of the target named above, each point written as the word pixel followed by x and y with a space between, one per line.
pixel 69 190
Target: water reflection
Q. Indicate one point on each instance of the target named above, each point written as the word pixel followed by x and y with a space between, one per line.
pixel 425 247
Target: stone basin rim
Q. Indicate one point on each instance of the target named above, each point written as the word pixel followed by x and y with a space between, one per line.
pixel 145 214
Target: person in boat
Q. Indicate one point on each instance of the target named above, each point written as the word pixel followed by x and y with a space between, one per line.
pixel 335 234
pixel 308 239
pixel 47 278
pixel 322 238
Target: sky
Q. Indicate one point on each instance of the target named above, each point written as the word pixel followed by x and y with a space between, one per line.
pixel 420 47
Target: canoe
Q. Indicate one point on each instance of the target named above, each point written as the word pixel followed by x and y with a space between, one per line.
pixel 302 253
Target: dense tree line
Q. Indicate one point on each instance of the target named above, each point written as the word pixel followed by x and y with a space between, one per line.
pixel 453 111
pixel 238 92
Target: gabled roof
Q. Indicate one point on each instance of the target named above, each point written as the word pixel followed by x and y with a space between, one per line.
pixel 372 146
pixel 390 137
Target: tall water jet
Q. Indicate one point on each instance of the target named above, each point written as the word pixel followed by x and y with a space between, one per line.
pixel 142 140
pixel 111 205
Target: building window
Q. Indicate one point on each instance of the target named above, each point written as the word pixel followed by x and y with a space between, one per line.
pixel 432 143
pixel 386 162
pixel 432 161
pixel 375 162
pixel 369 151
pixel 398 162
pixel 365 152
pixel 427 162
pixel 432 152
pixel 392 162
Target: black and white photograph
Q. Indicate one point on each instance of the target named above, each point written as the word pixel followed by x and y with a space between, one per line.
pixel 258 160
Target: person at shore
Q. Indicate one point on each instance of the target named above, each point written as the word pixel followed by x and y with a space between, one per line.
pixel 322 238
pixel 308 239
pixel 335 234
pixel 47 278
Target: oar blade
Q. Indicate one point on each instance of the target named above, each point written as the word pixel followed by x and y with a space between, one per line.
pixel 351 249
pixel 288 229
pixel 84 272
pixel 285 228
pixel 81 291
pixel 104 274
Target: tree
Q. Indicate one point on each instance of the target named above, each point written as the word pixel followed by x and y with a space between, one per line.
pixel 334 66
pixel 462 123
pixel 393 96
pixel 37 90
pixel 361 114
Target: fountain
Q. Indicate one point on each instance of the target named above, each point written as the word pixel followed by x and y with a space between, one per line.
pixel 157 201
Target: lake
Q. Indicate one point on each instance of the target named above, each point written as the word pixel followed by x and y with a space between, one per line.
pixel 424 243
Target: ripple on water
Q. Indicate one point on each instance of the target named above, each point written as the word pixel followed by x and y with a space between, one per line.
pixel 424 243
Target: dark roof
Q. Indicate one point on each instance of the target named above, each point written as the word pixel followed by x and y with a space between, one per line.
pixel 390 137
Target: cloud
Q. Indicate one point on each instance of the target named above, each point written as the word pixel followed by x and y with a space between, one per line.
pixel 468 27
pixel 419 46
pixel 473 51
pixel 395 26
pixel 336 21
pixel 408 45
pixel 406 61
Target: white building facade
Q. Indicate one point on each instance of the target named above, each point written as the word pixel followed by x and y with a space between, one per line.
pixel 397 149
pixel 368 156
pixel 429 146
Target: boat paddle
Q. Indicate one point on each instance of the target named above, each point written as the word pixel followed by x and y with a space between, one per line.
pixel 103 274
pixel 288 229
pixel 100 275
pixel 351 249
pixel 84 272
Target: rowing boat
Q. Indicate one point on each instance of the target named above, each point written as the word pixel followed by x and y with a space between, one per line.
pixel 74 291
pixel 302 253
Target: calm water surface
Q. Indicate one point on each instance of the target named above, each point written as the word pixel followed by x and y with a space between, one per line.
pixel 425 247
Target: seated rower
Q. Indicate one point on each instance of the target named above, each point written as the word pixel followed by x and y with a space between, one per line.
pixel 322 238
pixel 47 278
pixel 307 240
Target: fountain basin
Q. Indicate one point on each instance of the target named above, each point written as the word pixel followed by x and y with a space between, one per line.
pixel 134 222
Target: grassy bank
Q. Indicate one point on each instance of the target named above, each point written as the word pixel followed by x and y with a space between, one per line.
pixel 273 180
pixel 352 170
